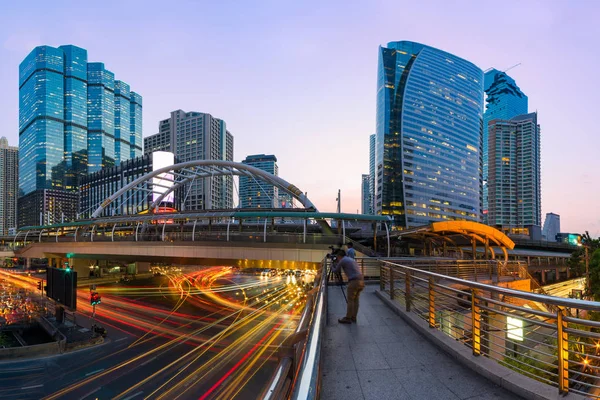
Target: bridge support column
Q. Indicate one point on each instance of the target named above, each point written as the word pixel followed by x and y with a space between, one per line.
pixel 28 263
pixel 474 248
pixel 568 272
pixel 543 277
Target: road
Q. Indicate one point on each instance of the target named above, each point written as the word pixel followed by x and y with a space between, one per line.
pixel 209 333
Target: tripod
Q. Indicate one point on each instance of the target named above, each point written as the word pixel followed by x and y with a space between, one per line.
pixel 339 281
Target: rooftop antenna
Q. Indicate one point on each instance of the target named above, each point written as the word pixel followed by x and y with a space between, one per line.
pixel 509 68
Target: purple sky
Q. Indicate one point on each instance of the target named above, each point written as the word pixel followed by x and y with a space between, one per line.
pixel 298 79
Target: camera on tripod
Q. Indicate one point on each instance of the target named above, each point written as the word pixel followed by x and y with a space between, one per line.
pixel 333 255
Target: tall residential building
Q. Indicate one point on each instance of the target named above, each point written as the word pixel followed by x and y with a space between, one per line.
pixel 551 227
pixel 197 136
pixel 504 100
pixel 255 193
pixel 9 186
pixel 372 174
pixel 514 186
pixel 67 122
pixel 365 189
pixel 428 145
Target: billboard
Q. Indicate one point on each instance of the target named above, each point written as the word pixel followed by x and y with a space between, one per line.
pixel 162 182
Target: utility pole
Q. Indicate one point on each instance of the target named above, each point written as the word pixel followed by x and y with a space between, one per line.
pixel 339 201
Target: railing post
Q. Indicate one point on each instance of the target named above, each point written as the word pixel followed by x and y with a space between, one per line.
pixel 431 304
pixel 391 282
pixel 563 351
pixel 407 291
pixel 476 323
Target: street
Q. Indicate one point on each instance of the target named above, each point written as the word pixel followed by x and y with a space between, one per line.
pixel 204 333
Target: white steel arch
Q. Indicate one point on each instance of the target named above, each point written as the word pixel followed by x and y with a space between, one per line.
pixel 188 171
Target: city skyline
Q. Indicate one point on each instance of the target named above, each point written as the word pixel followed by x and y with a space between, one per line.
pixel 297 129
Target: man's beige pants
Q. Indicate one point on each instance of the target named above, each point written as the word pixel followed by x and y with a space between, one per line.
pixel 354 288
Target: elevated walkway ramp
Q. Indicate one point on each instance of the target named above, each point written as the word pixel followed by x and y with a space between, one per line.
pixel 382 357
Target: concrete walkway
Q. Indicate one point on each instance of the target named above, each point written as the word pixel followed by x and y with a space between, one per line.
pixel 383 358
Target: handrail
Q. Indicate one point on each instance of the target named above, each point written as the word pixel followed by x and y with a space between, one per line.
pixel 560 348
pixel 297 374
pixel 541 298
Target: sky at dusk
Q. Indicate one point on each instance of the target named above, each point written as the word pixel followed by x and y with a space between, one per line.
pixel 298 78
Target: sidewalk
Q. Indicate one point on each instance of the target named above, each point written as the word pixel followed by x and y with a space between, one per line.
pixel 383 358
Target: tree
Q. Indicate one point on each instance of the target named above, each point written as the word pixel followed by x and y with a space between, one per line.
pixel 595 275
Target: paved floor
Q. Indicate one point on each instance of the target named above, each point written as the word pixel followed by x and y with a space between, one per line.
pixel 383 358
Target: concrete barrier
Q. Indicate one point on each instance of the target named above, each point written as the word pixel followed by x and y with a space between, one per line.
pixel 36 350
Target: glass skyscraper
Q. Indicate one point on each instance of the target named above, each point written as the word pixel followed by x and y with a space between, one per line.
pixel 365 189
pixel 428 147
pixel 256 193
pixel 504 101
pixel 371 174
pixel 67 122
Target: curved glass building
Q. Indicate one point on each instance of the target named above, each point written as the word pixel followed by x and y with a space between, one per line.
pixel 428 153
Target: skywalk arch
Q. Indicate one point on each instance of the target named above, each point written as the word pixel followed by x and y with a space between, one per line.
pixel 178 175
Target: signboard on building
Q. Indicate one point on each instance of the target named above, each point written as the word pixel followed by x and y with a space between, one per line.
pixel 162 182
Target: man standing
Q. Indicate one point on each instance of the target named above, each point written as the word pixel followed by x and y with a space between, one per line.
pixel 351 252
pixel 356 284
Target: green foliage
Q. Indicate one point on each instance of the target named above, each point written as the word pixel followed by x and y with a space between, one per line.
pixel 595 275
pixel 528 366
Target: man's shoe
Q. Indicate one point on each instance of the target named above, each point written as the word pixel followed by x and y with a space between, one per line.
pixel 345 320
pixel 353 319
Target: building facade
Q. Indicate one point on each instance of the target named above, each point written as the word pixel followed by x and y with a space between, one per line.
pixel 365 189
pixel 428 146
pixel 98 186
pixel 514 185
pixel 255 193
pixel 372 174
pixel 551 227
pixel 504 100
pixel 197 136
pixel 9 186
pixel 67 122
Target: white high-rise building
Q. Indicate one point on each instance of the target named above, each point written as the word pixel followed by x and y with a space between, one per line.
pixel 197 136
pixel 9 186
pixel 514 184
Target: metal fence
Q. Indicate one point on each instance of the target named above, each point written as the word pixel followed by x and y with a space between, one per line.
pixel 518 329
pixel 298 373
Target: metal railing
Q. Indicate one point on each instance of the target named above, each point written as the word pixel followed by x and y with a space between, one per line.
pixel 475 270
pixel 298 374
pixel 559 348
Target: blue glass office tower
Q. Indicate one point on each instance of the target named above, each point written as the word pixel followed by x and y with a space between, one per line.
pixel 136 142
pixel 371 174
pixel 255 193
pixel 67 124
pixel 504 101
pixel 428 150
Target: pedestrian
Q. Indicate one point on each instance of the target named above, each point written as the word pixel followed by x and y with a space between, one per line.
pixel 351 252
pixel 356 284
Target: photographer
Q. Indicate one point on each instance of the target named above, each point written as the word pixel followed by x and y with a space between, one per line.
pixel 356 284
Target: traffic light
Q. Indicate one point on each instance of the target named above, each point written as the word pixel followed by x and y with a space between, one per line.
pixel 39 285
pixel 95 298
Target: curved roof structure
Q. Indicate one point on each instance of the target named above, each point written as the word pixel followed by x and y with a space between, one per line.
pixel 475 232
